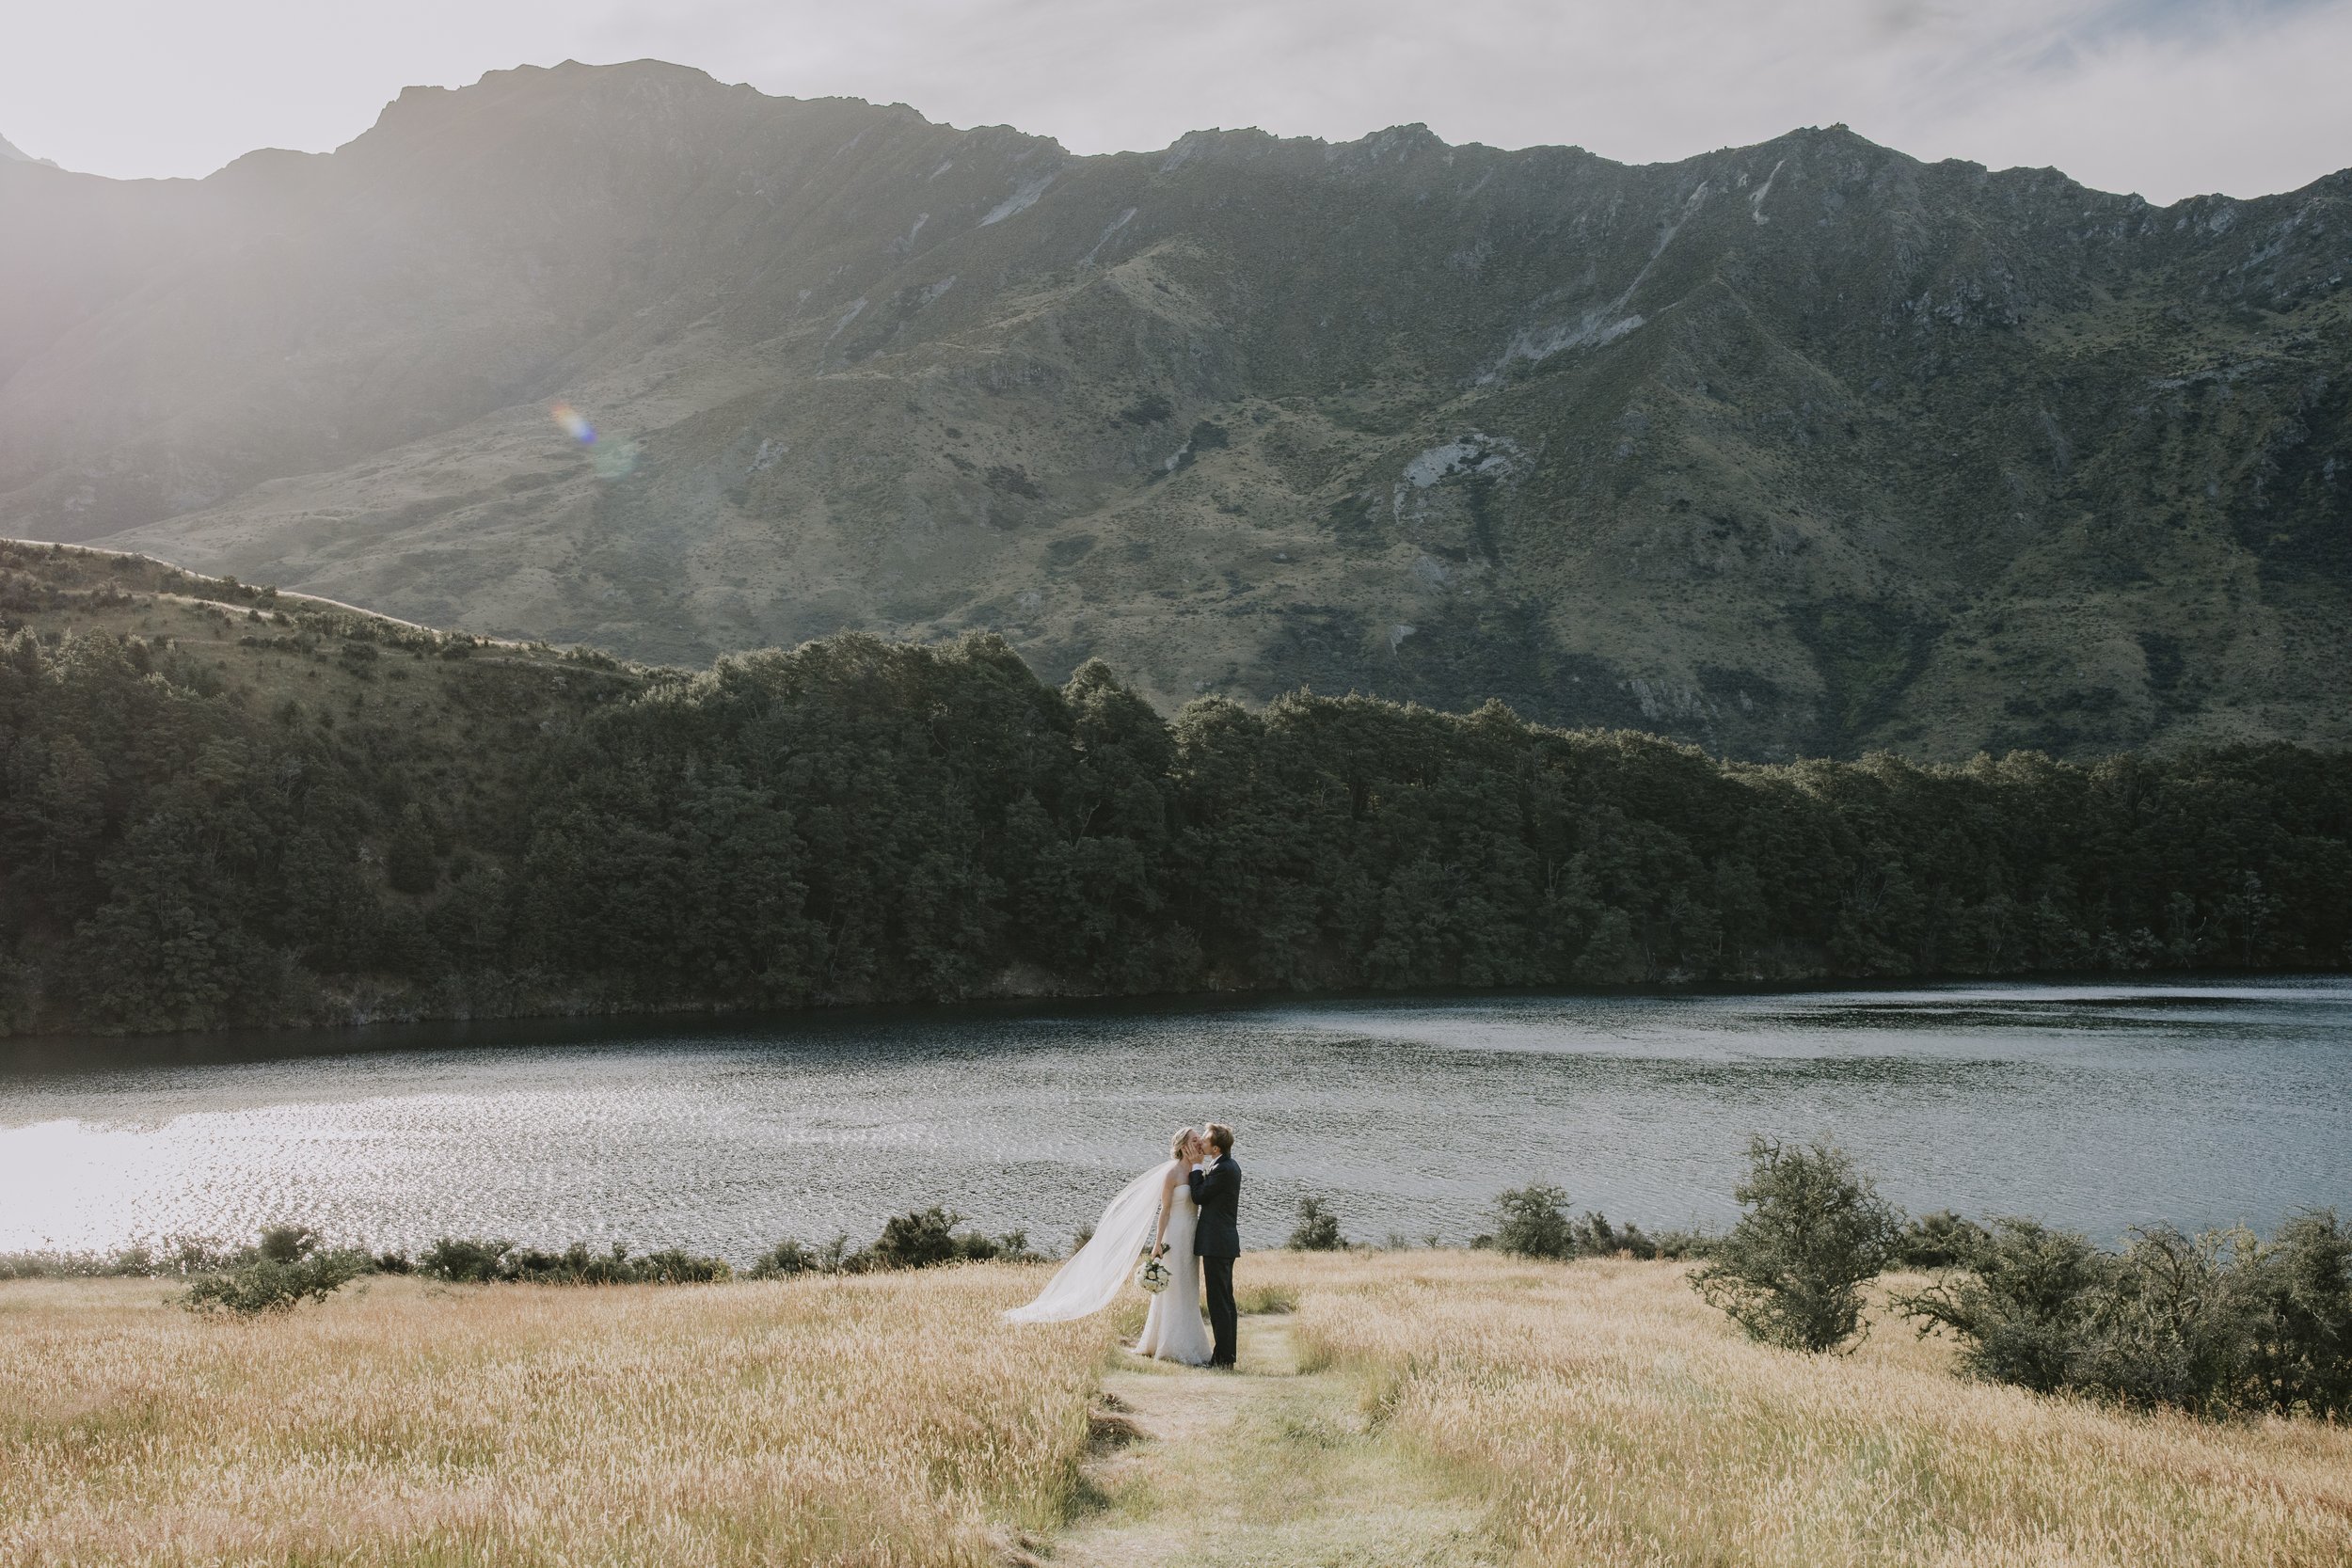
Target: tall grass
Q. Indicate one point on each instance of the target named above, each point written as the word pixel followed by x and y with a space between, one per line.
pixel 1615 1419
pixel 875 1420
pixel 1598 1411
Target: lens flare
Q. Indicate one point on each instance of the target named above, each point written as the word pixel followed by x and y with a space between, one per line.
pixel 575 424
pixel 614 459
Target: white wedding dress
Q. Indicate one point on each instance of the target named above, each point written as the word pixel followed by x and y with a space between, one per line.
pixel 1174 1329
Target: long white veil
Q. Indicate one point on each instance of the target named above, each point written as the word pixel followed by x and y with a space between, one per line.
pixel 1090 1280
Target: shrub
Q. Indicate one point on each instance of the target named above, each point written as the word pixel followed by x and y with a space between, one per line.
pixel 2172 1326
pixel 919 1239
pixel 1533 1222
pixel 2023 1310
pixel 1791 1271
pixel 1682 1245
pixel 788 1258
pixel 268 1284
pixel 2302 1356
pixel 1937 1241
pixel 2215 1324
pixel 676 1266
pixel 471 1261
pixel 185 1257
pixel 1596 1238
pixel 574 1265
pixel 1318 1229
pixel 922 1239
pixel 464 1261
pixel 287 1243
pixel 578 1264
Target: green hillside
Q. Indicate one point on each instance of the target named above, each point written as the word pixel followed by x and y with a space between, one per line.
pixel 222 804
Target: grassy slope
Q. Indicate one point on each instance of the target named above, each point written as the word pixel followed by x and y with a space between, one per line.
pixel 447 699
pixel 1614 1418
pixel 1594 1413
pixel 269 645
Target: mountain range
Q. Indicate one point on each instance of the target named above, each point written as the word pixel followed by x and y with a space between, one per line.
pixel 1804 447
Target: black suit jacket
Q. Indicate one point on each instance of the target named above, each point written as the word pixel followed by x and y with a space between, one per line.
pixel 1218 1192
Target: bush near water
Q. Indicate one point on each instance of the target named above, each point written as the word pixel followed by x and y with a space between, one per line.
pixel 2226 1322
pixel 1815 1232
pixel 2221 1323
pixel 1318 1229
pixel 220 805
pixel 290 1263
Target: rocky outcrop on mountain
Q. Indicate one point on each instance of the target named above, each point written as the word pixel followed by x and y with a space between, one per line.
pixel 1806 447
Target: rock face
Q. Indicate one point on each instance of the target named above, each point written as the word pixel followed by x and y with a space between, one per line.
pixel 1798 448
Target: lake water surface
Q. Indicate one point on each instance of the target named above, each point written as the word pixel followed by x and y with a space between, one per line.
pixel 2093 1105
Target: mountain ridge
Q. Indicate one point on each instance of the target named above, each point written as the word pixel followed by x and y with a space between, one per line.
pixel 1803 446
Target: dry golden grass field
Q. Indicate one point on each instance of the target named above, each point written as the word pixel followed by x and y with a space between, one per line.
pixel 1610 1417
pixel 1415 1407
pixel 871 1420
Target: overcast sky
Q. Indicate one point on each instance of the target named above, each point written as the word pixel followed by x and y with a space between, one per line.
pixel 2165 97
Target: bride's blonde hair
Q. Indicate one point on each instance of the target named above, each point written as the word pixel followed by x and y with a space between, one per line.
pixel 1176 1145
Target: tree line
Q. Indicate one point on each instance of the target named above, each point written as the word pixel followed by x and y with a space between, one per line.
pixel 861 821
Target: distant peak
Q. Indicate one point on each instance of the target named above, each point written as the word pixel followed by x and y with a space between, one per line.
pixel 11 153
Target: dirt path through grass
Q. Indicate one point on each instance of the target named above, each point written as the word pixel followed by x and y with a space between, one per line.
pixel 1266 1466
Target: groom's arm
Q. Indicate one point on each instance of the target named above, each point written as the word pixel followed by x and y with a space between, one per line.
pixel 1205 1183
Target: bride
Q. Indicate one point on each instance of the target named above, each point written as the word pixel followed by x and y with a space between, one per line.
pixel 1155 1209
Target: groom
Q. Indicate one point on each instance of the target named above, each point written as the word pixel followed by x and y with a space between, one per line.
pixel 1216 1188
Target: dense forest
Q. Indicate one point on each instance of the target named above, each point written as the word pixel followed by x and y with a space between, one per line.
pixel 222 806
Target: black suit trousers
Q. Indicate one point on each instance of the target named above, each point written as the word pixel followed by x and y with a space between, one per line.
pixel 1224 1322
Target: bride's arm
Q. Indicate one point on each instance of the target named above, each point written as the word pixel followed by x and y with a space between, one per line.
pixel 1167 1191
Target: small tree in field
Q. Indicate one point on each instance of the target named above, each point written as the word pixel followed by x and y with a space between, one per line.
pixel 1815 1233
pixel 1534 1223
pixel 288 1266
pixel 1318 1229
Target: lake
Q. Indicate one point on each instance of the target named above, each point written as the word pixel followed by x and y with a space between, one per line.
pixel 2094 1105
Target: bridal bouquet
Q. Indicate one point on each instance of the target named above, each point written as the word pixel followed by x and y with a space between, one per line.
pixel 1152 1278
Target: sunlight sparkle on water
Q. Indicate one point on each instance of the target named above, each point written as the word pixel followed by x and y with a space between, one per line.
pixel 2092 1106
pixel 68 1185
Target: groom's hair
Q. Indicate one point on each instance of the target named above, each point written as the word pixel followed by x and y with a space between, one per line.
pixel 1222 1136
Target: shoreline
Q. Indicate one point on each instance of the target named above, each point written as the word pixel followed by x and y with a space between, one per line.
pixel 598 1026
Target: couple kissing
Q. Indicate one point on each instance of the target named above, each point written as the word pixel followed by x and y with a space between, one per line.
pixel 1187 1211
